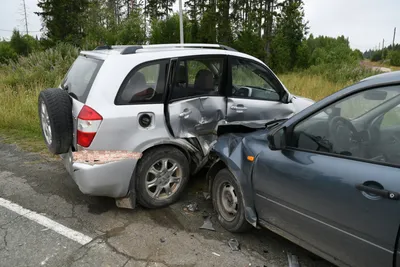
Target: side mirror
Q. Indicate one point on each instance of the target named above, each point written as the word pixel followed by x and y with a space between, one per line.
pixel 286 98
pixel 277 140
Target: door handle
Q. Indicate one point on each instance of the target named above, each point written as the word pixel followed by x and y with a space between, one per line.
pixel 239 108
pixel 185 114
pixel 379 192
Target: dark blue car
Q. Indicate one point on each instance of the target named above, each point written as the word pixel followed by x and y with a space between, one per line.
pixel 327 179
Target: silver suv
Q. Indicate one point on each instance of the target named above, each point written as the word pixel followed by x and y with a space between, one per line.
pixel 134 122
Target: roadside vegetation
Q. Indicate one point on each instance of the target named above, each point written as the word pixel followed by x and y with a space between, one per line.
pixel 276 33
pixel 388 57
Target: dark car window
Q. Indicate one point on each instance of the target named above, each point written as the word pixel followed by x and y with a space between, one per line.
pixel 144 85
pixel 365 126
pixel 250 80
pixel 80 77
pixel 198 77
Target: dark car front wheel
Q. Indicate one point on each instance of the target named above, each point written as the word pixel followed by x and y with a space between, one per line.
pixel 228 202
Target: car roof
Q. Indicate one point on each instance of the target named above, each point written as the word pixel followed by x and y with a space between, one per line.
pixel 161 52
pixel 388 77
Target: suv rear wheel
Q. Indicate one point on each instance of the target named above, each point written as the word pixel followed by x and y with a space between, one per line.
pixel 162 175
pixel 55 115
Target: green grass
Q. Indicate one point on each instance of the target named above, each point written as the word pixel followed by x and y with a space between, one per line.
pixel 315 87
pixel 20 85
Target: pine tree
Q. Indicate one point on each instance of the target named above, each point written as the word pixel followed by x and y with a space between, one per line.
pixel 63 19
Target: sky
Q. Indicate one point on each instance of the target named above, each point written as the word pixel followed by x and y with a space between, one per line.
pixel 365 22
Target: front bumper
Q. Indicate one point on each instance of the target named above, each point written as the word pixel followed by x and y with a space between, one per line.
pixel 110 179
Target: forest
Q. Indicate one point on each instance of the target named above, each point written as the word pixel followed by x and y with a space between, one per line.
pixel 274 31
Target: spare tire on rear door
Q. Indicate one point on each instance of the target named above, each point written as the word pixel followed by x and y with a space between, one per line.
pixel 55 115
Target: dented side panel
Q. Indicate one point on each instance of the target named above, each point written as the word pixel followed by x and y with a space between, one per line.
pixel 197 117
pixel 241 109
pixel 233 150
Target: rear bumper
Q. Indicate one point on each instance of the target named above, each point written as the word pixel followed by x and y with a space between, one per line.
pixel 108 179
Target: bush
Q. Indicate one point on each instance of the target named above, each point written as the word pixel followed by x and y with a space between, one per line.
pixel 394 57
pixel 44 67
pixel 6 52
pixel 341 73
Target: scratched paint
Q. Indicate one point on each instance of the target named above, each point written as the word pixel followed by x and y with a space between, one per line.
pixel 103 156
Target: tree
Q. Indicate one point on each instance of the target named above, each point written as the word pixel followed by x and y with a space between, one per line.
pixel 132 30
pixel 289 34
pixel 23 45
pixel 6 52
pixel 63 19
pixel 167 30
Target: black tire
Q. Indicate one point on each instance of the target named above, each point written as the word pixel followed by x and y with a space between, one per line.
pixel 59 109
pixel 149 159
pixel 237 223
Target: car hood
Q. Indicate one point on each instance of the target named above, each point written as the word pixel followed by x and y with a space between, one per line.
pixel 301 103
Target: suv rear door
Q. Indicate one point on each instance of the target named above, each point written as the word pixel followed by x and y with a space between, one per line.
pixel 78 82
pixel 254 92
pixel 196 97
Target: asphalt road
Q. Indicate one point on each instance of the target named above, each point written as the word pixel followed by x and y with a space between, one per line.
pixel 54 224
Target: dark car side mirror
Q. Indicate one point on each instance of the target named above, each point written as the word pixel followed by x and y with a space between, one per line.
pixel 277 140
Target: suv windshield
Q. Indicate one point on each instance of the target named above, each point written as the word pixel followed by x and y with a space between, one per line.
pixel 80 77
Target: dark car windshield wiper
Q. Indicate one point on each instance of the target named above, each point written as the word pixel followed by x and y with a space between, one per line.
pixel 275 122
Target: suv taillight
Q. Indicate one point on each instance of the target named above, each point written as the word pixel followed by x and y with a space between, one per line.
pixel 88 124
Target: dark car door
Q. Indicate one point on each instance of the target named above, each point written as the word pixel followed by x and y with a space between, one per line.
pixel 331 188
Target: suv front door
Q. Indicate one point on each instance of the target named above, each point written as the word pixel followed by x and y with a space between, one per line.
pixel 254 93
pixel 196 102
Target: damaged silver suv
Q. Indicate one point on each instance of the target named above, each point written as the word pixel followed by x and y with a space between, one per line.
pixel 134 122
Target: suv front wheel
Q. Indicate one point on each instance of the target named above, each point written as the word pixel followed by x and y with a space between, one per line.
pixel 162 175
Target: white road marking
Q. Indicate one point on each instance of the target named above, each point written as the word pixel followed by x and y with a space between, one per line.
pixel 46 222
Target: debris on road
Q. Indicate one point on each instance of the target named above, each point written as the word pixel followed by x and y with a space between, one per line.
pixel 192 207
pixel 234 244
pixel 162 239
pixel 293 261
pixel 206 195
pixel 207 224
pixel 216 254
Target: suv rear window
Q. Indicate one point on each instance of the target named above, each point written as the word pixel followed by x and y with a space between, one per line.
pixel 80 77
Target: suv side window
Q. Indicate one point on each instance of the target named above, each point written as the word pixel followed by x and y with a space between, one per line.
pixel 198 77
pixel 144 85
pixel 250 80
pixel 347 127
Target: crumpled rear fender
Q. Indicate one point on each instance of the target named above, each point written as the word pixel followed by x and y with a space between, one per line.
pixel 232 154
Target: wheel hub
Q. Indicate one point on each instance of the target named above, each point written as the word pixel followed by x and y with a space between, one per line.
pixel 228 201
pixel 163 178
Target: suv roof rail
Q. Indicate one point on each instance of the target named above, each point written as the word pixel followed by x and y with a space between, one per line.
pixel 131 49
pixel 103 47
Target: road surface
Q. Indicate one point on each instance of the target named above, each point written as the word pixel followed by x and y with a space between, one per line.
pixel 46 221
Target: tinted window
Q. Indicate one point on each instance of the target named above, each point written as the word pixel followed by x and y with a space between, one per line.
pixel 144 84
pixel 356 127
pixel 197 77
pixel 80 77
pixel 250 80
